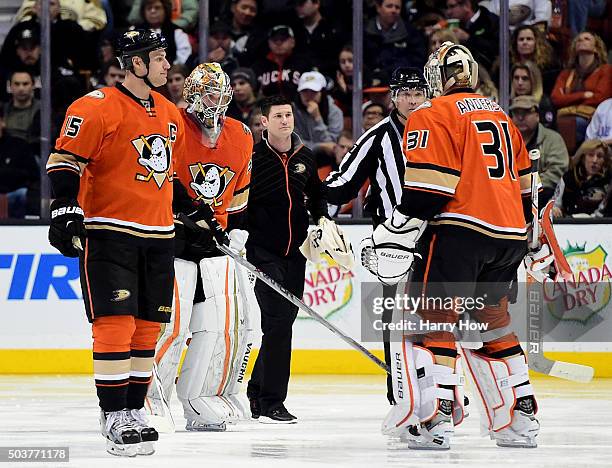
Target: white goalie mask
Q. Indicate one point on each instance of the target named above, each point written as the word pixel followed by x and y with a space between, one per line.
pixel 450 66
pixel 208 93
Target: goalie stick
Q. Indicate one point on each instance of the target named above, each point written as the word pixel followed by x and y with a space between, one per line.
pixel 537 361
pixel 223 247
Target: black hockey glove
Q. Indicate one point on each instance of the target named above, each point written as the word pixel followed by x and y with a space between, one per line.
pixel 67 231
pixel 205 214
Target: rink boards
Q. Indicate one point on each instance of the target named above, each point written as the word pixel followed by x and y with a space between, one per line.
pixel 44 329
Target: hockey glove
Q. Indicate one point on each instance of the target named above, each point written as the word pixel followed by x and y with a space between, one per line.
pixel 67 230
pixel 394 243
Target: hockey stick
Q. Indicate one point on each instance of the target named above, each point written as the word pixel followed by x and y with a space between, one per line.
pixel 297 302
pixel 535 349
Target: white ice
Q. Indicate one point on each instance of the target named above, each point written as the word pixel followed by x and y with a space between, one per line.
pixel 339 426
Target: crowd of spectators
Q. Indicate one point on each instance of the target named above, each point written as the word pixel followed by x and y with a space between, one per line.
pixel 560 78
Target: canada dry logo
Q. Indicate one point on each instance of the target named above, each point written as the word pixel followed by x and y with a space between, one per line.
pixel 155 153
pixel 588 293
pixel 210 181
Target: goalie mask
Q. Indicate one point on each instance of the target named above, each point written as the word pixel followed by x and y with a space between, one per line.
pixel 208 93
pixel 451 66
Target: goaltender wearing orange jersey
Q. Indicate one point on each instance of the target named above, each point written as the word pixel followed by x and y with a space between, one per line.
pixel 213 167
pixel 463 222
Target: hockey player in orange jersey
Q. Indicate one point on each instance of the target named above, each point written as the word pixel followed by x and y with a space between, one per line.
pixel 462 221
pixel 111 178
pixel 213 166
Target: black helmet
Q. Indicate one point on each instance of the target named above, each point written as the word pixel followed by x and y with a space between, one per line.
pixel 138 43
pixel 407 77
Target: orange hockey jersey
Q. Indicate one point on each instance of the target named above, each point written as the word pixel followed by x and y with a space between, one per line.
pixel 219 176
pixel 464 147
pixel 122 147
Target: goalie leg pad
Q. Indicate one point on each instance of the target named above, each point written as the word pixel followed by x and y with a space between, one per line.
pixel 497 384
pixel 221 343
pixel 418 388
pixel 170 347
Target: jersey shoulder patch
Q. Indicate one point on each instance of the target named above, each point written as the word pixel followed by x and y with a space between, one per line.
pixel 97 93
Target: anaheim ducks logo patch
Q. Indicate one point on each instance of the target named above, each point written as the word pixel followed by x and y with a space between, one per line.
pixel 210 181
pixel 155 153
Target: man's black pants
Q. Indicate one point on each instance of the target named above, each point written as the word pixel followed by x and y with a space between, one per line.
pixel 270 377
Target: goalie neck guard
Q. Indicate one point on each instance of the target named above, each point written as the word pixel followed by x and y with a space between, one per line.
pixel 450 67
pixel 208 93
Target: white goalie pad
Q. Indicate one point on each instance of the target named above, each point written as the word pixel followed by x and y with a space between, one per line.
pixel 416 380
pixel 495 383
pixel 170 346
pixel 221 343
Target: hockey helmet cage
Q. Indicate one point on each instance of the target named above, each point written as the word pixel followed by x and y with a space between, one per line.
pixel 208 93
pixel 451 66
pixel 138 43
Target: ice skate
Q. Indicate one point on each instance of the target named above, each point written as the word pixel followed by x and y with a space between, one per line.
pixel 434 434
pixel 148 434
pixel 198 426
pixel 122 436
pixel 524 428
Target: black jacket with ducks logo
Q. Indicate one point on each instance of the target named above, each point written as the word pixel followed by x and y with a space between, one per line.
pixel 280 183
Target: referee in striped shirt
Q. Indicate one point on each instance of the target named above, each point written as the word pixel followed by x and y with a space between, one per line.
pixel 377 155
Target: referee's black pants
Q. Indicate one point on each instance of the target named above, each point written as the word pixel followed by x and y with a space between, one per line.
pixel 270 377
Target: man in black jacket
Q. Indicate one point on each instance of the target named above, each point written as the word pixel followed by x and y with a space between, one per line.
pixel 284 170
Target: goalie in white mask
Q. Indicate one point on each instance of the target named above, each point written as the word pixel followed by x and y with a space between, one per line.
pixel 462 221
pixel 212 293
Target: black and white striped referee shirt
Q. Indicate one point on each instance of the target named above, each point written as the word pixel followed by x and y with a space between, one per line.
pixel 376 155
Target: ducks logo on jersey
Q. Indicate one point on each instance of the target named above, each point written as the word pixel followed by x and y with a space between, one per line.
pixel 210 181
pixel 155 153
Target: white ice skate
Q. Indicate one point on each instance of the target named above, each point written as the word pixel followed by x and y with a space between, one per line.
pixel 148 434
pixel 434 434
pixel 197 426
pixel 523 430
pixel 122 437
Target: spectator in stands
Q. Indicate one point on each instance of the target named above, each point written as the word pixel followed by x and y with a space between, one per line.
pixel 390 42
pixel 485 86
pixel 478 31
pixel 19 173
pixel 343 145
pixel 579 11
pixel 529 44
pixel 317 37
pixel 280 70
pixel 553 153
pixel 600 127
pixel 377 90
pixel 111 74
pixel 71 48
pixel 22 112
pixel 176 79
pixel 372 113
pixel 318 121
pixel 581 87
pixel 249 37
pixel 244 99
pixel 156 15
pixel 584 188
pixel 184 13
pixel 527 80
pixel 24 56
pixel 219 47
pixel 440 36
pixel 526 12
pixel 255 124
pixel 343 85
pixel 89 14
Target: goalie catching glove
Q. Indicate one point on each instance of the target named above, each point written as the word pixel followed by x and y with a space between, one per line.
pixel 328 238
pixel 390 252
